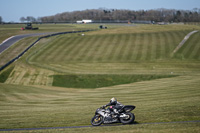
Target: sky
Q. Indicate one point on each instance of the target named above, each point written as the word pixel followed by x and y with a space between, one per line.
pixel 13 10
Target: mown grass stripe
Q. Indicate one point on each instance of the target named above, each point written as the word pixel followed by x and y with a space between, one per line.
pixel 172 40
pixel 167 45
pixel 97 49
pixel 75 45
pixel 116 47
pixel 96 53
pixel 185 49
pixel 92 50
pixel 77 56
pixel 127 47
pixel 140 46
pixel 162 45
pixel 178 37
pixel 67 50
pixel 121 49
pixel 197 55
pixel 71 44
pixel 149 47
pixel 130 51
pixel 158 47
pixel 145 49
pixel 113 46
pixel 106 51
pixel 196 52
pixel 53 48
pixel 153 49
pixel 86 48
pixel 56 55
pixel 60 53
pixel 47 50
pixel 195 44
pixel 136 45
pixel 102 49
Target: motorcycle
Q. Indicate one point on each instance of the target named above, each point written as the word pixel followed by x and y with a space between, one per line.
pixel 107 116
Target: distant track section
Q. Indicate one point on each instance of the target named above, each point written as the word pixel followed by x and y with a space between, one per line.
pixel 14 39
pixel 10 41
pixel 43 128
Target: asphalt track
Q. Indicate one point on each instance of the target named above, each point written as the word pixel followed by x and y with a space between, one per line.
pixel 10 41
pixel 45 128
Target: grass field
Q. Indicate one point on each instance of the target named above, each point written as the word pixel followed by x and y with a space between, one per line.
pixel 162 100
pixel 99 81
pixel 167 87
pixel 191 45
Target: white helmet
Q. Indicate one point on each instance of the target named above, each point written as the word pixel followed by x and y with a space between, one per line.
pixel 113 100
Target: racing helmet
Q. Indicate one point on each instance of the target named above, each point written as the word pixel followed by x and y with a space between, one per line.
pixel 113 100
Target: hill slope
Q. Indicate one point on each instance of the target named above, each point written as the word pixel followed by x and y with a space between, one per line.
pixel 119 50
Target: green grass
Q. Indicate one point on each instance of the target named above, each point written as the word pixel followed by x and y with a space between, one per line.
pixel 15 50
pixel 172 128
pixel 8 30
pixel 110 48
pixel 98 81
pixel 191 49
pixel 161 100
pixel 112 53
pixel 127 53
pixel 5 74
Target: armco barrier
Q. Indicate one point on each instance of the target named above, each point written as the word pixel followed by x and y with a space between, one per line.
pixel 55 34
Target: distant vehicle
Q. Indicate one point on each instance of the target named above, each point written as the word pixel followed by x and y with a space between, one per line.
pixel 103 115
pixel 29 27
pixel 102 27
pixel 87 21
pixel 84 21
pixel 79 22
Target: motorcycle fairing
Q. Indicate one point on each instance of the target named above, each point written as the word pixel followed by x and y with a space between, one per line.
pixel 127 108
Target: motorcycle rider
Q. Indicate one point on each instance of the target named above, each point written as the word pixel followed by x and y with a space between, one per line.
pixel 116 112
pixel 115 106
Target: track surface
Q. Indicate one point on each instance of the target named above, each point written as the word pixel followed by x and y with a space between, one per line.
pixel 10 41
pixel 42 128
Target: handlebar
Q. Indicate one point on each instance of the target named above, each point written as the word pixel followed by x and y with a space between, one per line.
pixel 103 107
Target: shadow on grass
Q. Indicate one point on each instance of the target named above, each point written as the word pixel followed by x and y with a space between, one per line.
pixel 134 122
pixel 121 124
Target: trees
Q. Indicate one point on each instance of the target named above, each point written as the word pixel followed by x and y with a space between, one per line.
pixel 1 20
pixel 28 19
pixel 103 14
pixel 22 19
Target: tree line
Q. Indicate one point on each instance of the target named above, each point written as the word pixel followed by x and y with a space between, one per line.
pixel 1 20
pixel 102 14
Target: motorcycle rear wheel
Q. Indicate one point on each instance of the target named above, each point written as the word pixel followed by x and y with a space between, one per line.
pixel 97 120
pixel 129 120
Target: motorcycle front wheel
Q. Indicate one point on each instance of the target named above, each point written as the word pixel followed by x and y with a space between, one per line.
pixel 97 120
pixel 129 119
